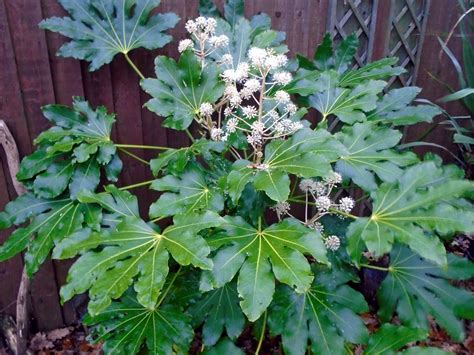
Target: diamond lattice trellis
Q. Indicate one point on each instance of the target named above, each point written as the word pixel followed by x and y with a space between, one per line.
pixel 354 16
pixel 408 22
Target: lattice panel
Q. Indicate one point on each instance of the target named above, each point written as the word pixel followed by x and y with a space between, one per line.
pixel 408 19
pixel 358 16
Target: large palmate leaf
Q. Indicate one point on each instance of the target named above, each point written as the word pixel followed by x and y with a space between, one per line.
pixel 415 288
pixel 394 108
pixel 99 29
pixel 242 33
pixel 390 338
pixel 181 88
pixel 126 327
pixel 414 211
pixel 369 154
pixel 71 153
pixel 136 253
pixel 348 104
pixel 175 161
pixel 262 255
pixel 188 192
pixel 49 222
pixel 326 58
pixel 378 70
pixel 306 154
pixel 324 317
pixel 219 309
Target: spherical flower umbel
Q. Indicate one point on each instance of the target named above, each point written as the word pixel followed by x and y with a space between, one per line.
pixel 282 97
pixel 282 78
pixel 249 111
pixel 257 56
pixel 232 125
pixel 346 204
pixel 323 203
pixel 252 85
pixel 333 178
pixel 206 109
pixel 317 226
pixel 332 242
pixel 185 44
pixel 219 41
pixel 218 135
pixel 307 185
pixel 227 59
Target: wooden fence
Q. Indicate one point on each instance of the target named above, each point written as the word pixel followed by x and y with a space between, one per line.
pixel 31 76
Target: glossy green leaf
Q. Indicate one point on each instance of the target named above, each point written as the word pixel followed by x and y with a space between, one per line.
pixel 369 153
pixel 126 327
pixel 50 222
pixel 350 105
pixel 415 288
pixel 188 192
pixel 101 29
pixel 329 57
pixel 390 338
pixel 324 318
pixel 263 255
pixel 136 253
pixel 181 88
pixel 394 108
pixel 54 180
pixel 378 70
pixel 414 211
pixel 306 154
pixel 218 310
pixel 176 160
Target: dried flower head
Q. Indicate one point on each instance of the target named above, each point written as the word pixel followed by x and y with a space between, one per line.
pixel 281 208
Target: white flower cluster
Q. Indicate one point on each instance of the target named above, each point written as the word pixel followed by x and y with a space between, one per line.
pixel 332 242
pixel 320 192
pixel 254 106
pixel 202 31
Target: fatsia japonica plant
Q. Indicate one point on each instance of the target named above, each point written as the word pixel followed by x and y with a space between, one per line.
pixel 255 225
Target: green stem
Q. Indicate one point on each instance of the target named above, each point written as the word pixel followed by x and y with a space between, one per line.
pixel 168 288
pixel 134 156
pixel 190 136
pixel 262 335
pixel 132 64
pixel 343 213
pixel 137 146
pixel 380 268
pixel 139 184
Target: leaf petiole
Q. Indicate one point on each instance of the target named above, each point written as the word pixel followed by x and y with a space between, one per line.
pixel 139 184
pixel 132 64
pixel 138 146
